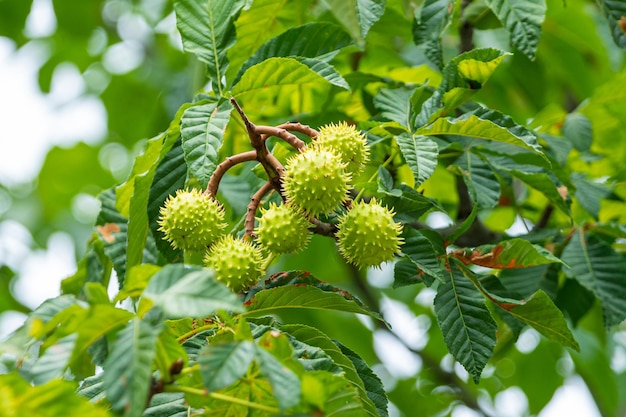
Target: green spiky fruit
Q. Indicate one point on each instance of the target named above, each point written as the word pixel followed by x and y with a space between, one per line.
pixel 346 141
pixel 236 263
pixel 315 181
pixel 191 220
pixel 368 235
pixel 282 229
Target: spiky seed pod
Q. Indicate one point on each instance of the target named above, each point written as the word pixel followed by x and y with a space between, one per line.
pixel 236 263
pixel 346 141
pixel 283 229
pixel 368 235
pixel 191 220
pixel 315 181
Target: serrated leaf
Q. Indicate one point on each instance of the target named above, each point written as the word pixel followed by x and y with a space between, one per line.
pixel 224 363
pixel 409 205
pixel 522 19
pixel 480 179
pixel 168 404
pixel 540 312
pixel 395 104
pixel 420 154
pixel 357 16
pixel 597 267
pixel 301 297
pixel 615 12
pixel 128 369
pixel 320 40
pixel 546 185
pixel 508 254
pixel 463 76
pixel 181 291
pixel 169 177
pixel 315 337
pixel 424 250
pixel 207 30
pixel 372 383
pixel 467 326
pixel 202 131
pixel 284 72
pixel 54 361
pixel 332 394
pixel 429 25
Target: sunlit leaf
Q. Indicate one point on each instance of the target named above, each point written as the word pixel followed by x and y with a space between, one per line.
pixel 508 254
pixel 523 19
pixel 357 16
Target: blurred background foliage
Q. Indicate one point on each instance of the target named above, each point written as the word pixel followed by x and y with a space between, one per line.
pixel 129 57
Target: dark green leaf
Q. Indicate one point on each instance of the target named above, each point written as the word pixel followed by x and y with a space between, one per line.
pixel 7 301
pixel 577 129
pixel 128 369
pixel 420 154
pixel 589 193
pixel 395 104
pixel 424 249
pixel 597 267
pixel 467 326
pixel 168 404
pixel 224 363
pixel 523 19
pixel 429 25
pixel 548 186
pixel 181 291
pixel 480 179
pixel 615 12
pixel 202 131
pixel 409 205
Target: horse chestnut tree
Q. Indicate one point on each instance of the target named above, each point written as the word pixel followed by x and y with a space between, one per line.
pixel 311 163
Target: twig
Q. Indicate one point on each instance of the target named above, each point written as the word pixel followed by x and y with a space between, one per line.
pixel 224 166
pixel 281 133
pixel 255 200
pixel 299 127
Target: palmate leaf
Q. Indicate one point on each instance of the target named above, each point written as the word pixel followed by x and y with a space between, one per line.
pixel 283 72
pixel 357 16
pixel 615 12
pixel 181 291
pixel 202 131
pixel 224 363
pixel 128 369
pixel 508 254
pixel 429 25
pixel 522 19
pixel 207 30
pixel 420 153
pixel 597 267
pixel 320 40
pixel 467 326
pixel 301 290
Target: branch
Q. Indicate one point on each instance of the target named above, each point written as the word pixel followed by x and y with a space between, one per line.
pixel 254 205
pixel 281 133
pixel 227 164
pixel 299 127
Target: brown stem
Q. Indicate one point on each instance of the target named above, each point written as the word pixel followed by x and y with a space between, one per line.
pixel 281 133
pixel 322 228
pixel 299 127
pixel 224 166
pixel 545 217
pixel 255 200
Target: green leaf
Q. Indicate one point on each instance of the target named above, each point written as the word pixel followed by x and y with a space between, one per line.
pixel 128 369
pixel 463 76
pixel 480 179
pixel 224 363
pixel 467 326
pixel 7 301
pixel 373 385
pixel 285 383
pixel 300 290
pixel 540 312
pixel 188 292
pixel 589 193
pixel 472 126
pixel 53 399
pixel 597 267
pixel 577 129
pixel 282 72
pixel 320 40
pixel 429 25
pixel 420 154
pixel 54 361
pixel 208 31
pixel 315 337
pixel 136 281
pixel 615 12
pixel 169 354
pixel 508 254
pixel 357 16
pixel 409 205
pixel 202 131
pixel 331 394
pixel 522 19
pixel 169 177
pixel 547 186
pixel 168 404
pixel 424 249
pixel 395 104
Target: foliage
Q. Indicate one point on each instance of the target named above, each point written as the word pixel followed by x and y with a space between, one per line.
pixel 489 113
